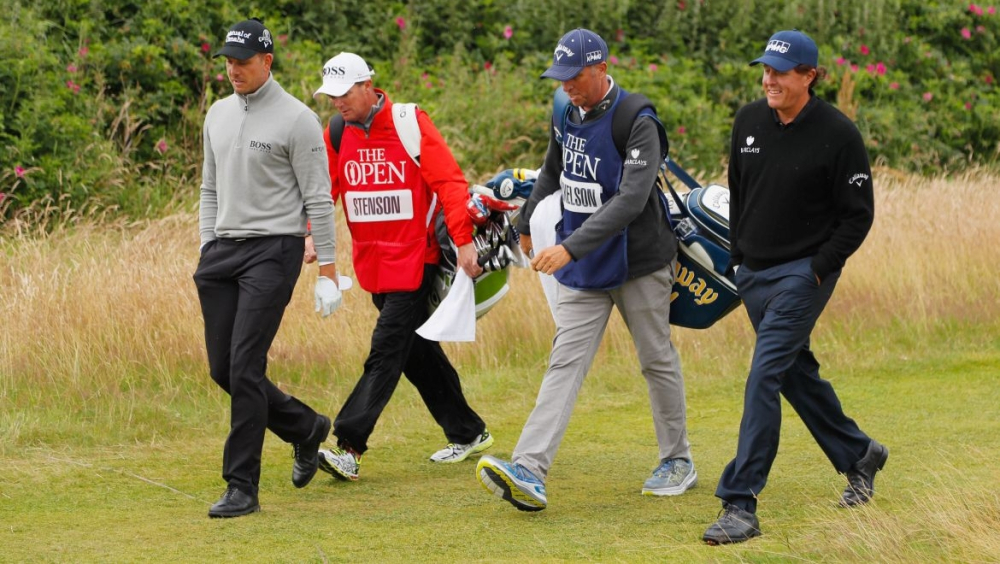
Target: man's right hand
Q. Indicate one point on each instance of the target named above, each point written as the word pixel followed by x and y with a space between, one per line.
pixel 526 247
pixel 309 256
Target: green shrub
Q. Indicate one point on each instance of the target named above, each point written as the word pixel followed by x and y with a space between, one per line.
pixel 103 100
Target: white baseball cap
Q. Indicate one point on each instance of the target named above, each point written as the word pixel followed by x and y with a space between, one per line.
pixel 342 72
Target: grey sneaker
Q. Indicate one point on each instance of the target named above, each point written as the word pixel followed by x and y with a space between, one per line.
pixel 342 464
pixel 673 476
pixel 512 482
pixel 735 525
pixel 458 452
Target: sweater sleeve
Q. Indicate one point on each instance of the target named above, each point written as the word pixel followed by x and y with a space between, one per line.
pixel 854 202
pixel 546 184
pixel 306 152
pixel 208 207
pixel 735 254
pixel 636 183
pixel 442 174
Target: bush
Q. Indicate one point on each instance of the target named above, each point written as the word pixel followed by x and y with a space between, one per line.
pixel 103 101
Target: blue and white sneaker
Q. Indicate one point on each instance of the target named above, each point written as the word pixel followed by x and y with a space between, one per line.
pixel 673 476
pixel 512 482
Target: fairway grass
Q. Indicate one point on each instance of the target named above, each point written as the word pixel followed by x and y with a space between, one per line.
pixel 936 499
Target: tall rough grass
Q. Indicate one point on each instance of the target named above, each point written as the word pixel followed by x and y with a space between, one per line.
pixel 102 323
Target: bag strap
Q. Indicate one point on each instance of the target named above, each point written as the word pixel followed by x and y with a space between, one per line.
pixel 404 118
pixel 626 112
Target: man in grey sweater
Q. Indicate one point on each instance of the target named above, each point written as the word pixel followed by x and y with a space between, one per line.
pixel 264 178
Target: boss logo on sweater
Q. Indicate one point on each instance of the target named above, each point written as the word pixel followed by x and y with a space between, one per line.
pixel 260 146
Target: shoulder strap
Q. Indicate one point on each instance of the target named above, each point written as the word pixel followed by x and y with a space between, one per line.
pixel 336 131
pixel 626 112
pixel 404 118
pixel 560 111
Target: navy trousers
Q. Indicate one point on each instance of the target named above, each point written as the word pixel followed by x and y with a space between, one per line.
pixel 396 349
pixel 783 303
pixel 244 287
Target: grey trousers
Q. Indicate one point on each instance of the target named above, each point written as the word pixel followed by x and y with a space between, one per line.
pixel 581 318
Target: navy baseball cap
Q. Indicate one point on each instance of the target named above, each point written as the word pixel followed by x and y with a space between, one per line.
pixel 246 39
pixel 577 49
pixel 787 50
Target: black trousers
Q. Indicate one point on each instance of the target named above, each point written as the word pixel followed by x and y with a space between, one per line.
pixel 244 287
pixel 783 304
pixel 397 349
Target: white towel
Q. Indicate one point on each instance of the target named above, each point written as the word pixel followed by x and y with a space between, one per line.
pixel 454 319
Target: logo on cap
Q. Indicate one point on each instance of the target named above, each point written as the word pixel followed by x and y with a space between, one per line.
pixel 779 46
pixel 563 50
pixel 265 38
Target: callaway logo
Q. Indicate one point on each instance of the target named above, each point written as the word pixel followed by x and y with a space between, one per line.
pixel 265 38
pixel 634 153
pixel 748 148
pixel 858 179
pixel 563 50
pixel 779 46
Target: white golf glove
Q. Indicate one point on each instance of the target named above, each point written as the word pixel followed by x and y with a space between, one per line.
pixel 328 296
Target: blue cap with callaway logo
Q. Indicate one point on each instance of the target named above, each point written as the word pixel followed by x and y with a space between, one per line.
pixel 577 49
pixel 787 50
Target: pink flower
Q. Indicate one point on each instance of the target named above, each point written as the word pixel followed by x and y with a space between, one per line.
pixel 865 50
pixel 613 60
pixel 508 32
pixel 966 34
pixel 71 68
pixel 681 130
pixel 19 171
pixel 73 86
pixel 991 10
pixel 401 22
pixel 880 68
pixel 681 5
pixel 205 47
pixel 841 61
pixel 989 79
pixel 2 197
pixel 488 65
pixel 620 35
pixel 219 77
pixel 653 67
pixel 928 96
pixel 980 29
pixel 161 147
pixel 854 68
pixel 83 51
pixel 870 69
pixel 893 86
pixel 968 105
pixel 283 39
pixel 975 9
pixel 428 84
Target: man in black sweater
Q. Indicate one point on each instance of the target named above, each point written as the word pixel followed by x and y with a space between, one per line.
pixel 801 204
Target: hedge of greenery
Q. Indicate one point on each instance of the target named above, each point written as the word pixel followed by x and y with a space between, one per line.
pixel 102 101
